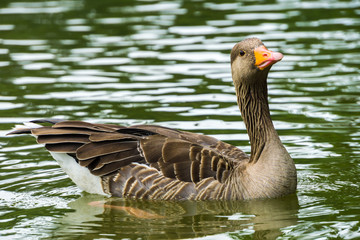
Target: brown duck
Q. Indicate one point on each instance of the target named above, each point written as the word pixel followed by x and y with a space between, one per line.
pixel 154 162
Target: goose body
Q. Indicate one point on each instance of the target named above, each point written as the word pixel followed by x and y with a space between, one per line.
pixel 154 162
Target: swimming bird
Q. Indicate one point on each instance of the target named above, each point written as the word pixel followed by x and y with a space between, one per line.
pixel 155 162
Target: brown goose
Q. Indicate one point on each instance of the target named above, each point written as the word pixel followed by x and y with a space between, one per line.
pixel 154 162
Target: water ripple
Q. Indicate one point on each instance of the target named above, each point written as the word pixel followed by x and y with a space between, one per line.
pixel 167 63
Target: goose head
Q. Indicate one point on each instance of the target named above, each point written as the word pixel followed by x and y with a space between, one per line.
pixel 251 61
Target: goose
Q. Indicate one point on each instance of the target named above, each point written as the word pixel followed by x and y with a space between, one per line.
pixel 160 163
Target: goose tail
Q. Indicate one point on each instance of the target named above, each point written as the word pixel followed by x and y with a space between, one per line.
pixel 26 127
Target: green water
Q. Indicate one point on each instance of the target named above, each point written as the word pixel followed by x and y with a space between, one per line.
pixel 167 62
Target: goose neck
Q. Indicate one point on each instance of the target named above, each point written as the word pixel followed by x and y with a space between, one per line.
pixel 254 107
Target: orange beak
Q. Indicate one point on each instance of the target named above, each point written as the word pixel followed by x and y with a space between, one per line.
pixel 265 58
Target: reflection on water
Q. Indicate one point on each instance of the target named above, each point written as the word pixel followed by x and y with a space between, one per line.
pixel 167 62
pixel 189 219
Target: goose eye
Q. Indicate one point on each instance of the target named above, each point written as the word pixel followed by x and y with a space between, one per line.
pixel 242 53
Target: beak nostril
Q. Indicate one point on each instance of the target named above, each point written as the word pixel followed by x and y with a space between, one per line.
pixel 265 55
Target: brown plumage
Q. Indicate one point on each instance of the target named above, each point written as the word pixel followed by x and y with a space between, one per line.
pixel 154 162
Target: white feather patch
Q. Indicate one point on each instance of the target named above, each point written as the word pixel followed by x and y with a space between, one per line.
pixel 27 125
pixel 81 176
pixel 32 125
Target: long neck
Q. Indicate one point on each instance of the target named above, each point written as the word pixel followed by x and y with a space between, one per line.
pixel 254 107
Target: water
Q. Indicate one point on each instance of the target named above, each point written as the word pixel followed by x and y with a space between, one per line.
pixel 167 62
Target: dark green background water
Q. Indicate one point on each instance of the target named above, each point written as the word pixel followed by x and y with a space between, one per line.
pixel 167 62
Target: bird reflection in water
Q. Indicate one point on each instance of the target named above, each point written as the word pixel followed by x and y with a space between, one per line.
pixel 133 211
pixel 144 219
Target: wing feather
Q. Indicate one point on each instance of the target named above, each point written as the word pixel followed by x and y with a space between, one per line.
pixel 95 149
pixel 106 148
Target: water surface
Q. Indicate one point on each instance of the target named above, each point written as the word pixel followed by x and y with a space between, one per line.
pixel 167 63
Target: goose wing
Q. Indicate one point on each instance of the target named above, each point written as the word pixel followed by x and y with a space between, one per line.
pixel 106 148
